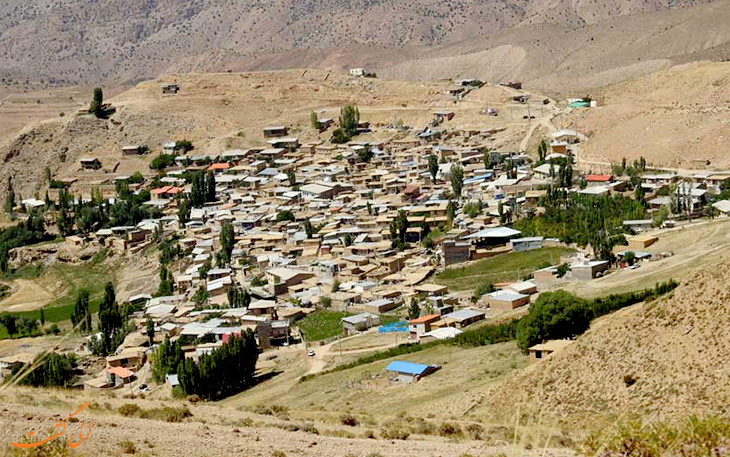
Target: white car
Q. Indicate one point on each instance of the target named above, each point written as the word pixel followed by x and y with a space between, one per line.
pixel 311 353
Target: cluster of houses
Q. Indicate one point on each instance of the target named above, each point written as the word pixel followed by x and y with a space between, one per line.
pixel 312 226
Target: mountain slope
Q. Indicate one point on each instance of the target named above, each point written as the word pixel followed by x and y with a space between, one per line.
pixel 72 41
pixel 674 350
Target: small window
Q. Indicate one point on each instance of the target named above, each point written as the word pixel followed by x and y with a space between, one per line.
pixel 538 354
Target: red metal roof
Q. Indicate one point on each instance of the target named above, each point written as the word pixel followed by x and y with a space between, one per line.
pixel 599 178
pixel 218 166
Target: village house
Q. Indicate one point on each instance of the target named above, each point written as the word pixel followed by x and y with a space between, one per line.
pixel 351 325
pixel 408 372
pixel 541 351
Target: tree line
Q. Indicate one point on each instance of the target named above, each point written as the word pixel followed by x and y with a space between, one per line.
pixel 225 371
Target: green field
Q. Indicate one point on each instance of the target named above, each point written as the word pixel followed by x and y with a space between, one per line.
pixel 321 325
pixel 505 267
pixel 91 275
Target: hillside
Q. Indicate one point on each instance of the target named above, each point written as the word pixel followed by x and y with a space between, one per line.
pixel 223 111
pixel 678 117
pixel 665 358
pixel 71 42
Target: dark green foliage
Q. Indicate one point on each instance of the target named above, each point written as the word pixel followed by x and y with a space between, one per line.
pixel 414 311
pixel 225 371
pixel 96 103
pixel 292 177
pixel 583 219
pixel 162 161
pixel 10 198
pixel 450 211
pixel 485 288
pixel 228 240
pixel 183 210
pixel 10 322
pixel 316 125
pixel 198 195
pixel 365 154
pixel 168 356
pixel 339 136
pixel 542 149
pixel 150 327
pixel 30 231
pixel 457 180
pixel 81 316
pixel 166 282
pixel 184 145
pixel 398 228
pixel 560 314
pixel 201 295
pixel 285 215
pixel 349 119
pixel 473 209
pixel 238 298
pixel 111 323
pixel 555 315
pixel 433 166
pixel 210 187
pixel 53 370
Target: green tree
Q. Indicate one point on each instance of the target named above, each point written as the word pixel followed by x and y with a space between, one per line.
pixel 349 120
pixel 457 180
pixel 316 125
pixel 183 211
pixel 285 215
pixel 10 322
pixel 184 145
pixel 433 166
pixel 10 198
pixel 97 102
pixel 51 370
pixel 339 136
pixel 414 311
pixel 201 295
pixel 227 241
pixel 238 298
pixel 398 228
pixel 43 317
pixel 166 282
pixel 292 177
pixel 198 195
pixel 450 211
pixel 542 149
pixel 81 316
pixel 223 372
pixel 150 327
pixel 166 359
pixel 210 187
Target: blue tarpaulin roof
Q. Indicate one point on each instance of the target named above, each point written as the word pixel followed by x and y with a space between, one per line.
pixel 411 368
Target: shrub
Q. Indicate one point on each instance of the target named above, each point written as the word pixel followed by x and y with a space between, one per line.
pixel 128 447
pixel 449 429
pixel 129 409
pixel 349 420
pixel 278 453
pixel 394 431
pixel 475 431
pixel 629 380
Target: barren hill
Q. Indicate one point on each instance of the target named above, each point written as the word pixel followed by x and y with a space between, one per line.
pixel 667 357
pixel 676 117
pixel 224 111
pixel 72 41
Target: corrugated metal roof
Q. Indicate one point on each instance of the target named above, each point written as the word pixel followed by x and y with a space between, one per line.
pixel 415 369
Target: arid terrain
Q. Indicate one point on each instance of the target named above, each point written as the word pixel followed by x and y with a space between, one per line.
pixel 560 44
pixel 224 111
